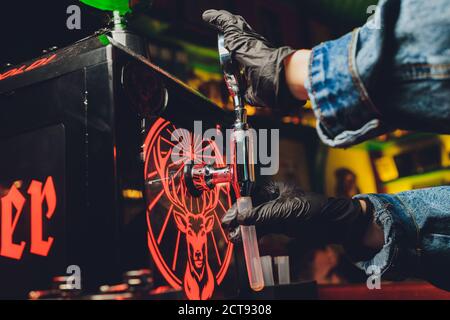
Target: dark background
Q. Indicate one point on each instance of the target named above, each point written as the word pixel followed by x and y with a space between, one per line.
pixel 29 27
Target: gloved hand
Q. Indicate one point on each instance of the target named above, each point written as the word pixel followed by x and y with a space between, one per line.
pixel 262 62
pixel 315 218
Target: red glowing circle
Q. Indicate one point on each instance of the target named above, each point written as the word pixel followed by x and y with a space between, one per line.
pixel 185 236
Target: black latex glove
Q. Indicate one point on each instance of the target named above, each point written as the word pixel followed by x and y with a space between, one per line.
pixel 262 62
pixel 312 217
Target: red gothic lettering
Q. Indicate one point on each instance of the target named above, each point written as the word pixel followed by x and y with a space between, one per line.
pixel 13 200
pixel 25 68
pixel 12 213
pixel 38 196
pixel 40 62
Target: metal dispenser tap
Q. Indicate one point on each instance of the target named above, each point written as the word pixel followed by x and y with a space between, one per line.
pixel 240 174
pixel 242 143
pixel 243 166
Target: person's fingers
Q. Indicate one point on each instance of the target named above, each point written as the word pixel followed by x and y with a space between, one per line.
pixel 235 235
pixel 246 218
pixel 251 98
pixel 229 219
pixel 210 17
pixel 225 21
pixel 219 19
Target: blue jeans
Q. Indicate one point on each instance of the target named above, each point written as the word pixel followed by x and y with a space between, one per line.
pixel 394 73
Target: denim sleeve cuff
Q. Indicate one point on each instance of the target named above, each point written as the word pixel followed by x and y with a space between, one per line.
pixel 345 113
pixel 399 257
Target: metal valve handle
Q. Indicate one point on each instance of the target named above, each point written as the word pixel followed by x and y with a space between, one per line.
pixel 243 167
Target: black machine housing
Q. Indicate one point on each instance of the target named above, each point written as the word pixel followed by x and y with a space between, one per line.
pixel 80 119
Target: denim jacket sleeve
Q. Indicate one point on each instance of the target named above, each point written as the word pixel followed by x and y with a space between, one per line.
pixel 394 72
pixel 416 227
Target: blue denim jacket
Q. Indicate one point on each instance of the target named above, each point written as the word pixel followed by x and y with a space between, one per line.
pixel 396 75
pixel 416 227
pixel 394 72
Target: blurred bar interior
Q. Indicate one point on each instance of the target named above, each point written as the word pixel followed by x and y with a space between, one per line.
pixel 180 43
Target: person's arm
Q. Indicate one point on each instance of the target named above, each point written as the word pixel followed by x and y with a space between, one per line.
pixel 416 232
pixel 296 67
pixel 373 238
pixel 284 208
pixel 392 75
pixel 402 235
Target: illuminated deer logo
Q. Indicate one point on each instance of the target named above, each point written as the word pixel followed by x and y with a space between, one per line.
pixel 199 281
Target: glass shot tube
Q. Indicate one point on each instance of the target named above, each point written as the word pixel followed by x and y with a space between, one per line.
pixel 282 263
pixel 251 250
pixel 266 263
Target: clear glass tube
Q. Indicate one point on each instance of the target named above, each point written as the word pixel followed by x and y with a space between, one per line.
pixel 266 263
pixel 284 275
pixel 251 250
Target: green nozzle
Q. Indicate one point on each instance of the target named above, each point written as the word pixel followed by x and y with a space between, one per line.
pixel 122 6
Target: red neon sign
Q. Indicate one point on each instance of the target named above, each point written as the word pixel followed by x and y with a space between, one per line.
pixel 12 211
pixel 25 68
pixel 200 253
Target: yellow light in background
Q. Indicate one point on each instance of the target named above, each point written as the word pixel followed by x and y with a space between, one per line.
pixel 287 119
pixel 309 120
pixel 386 168
pixel 207 76
pixel 399 133
pixel 251 111
pixel 132 194
pixel 354 159
pixel 308 105
pixel 18 184
pixel 446 151
pixel 436 178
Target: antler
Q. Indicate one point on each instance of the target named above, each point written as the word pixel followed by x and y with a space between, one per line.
pixel 171 189
pixel 210 200
pixel 176 192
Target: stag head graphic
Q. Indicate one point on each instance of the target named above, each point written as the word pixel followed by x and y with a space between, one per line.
pixel 199 281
